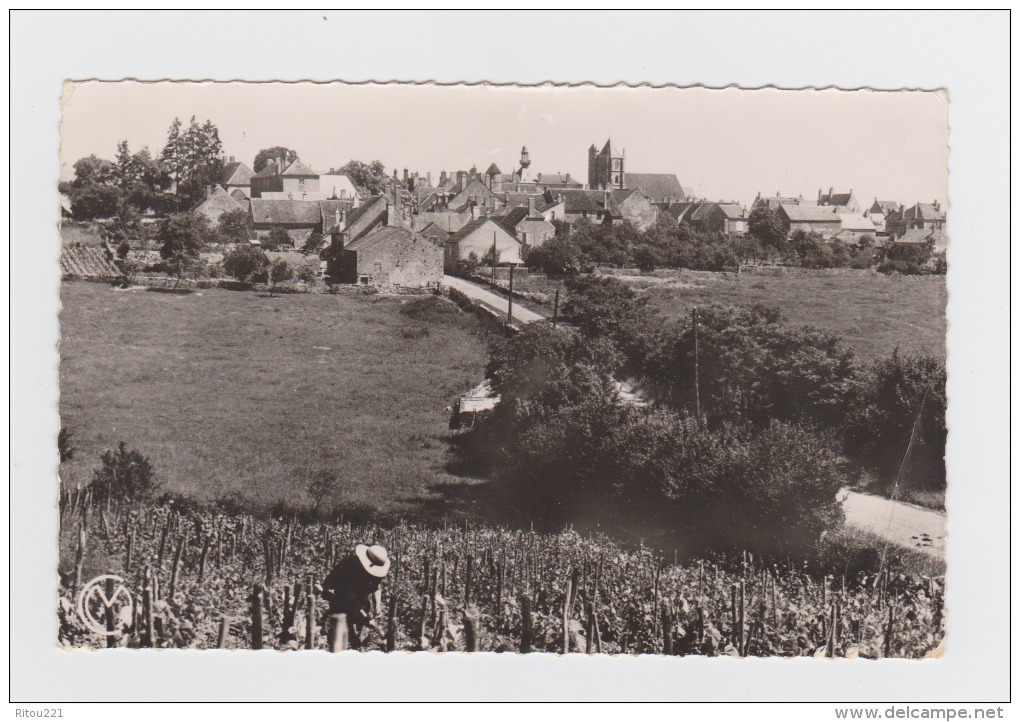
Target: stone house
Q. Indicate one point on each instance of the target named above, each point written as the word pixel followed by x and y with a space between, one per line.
pixel 817 219
pixel 927 216
pixel 854 225
pixel 286 178
pixel 773 202
pixel 879 211
pixel 391 256
pixel 605 206
pixel 217 202
pixel 845 202
pixel 528 224
pixel 658 187
pixel 236 176
pixel 726 218
pixel 479 237
pixel 298 218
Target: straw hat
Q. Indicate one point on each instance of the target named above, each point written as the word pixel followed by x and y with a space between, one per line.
pixel 375 559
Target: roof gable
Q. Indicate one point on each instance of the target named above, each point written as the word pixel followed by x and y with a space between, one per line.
pixel 297 169
pixel 477 224
pixel 656 186
pixel 810 214
pixel 236 174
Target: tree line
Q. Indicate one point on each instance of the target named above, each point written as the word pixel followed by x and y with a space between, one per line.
pixel 754 428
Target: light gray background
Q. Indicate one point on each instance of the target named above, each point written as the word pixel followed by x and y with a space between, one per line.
pixel 966 53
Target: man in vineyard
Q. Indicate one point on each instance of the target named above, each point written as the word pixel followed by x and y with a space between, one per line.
pixel 354 588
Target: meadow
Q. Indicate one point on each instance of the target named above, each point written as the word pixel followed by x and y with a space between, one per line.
pixel 239 395
pixel 875 313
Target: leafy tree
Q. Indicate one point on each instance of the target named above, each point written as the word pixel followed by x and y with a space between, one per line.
pixel 646 257
pixel 277 238
pixel 892 400
pixel 768 227
pixel 124 474
pixel 313 244
pixel 181 238
pixel 279 272
pixel 96 200
pixel 604 307
pixel 265 155
pixel 192 159
pixel 243 262
pixel 235 226
pixel 309 271
pixel 92 170
pixel 558 256
pixel 370 176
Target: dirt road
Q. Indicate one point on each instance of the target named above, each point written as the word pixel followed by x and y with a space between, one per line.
pixel 494 300
pixel 906 524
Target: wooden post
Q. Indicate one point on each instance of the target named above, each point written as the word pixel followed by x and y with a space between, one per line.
pixel 337 633
pixel 79 561
pixel 525 624
pixel 556 307
pixel 472 629
pixel 221 642
pixel 697 387
pixel 494 259
pixel 500 570
pixel 889 634
pixel 423 620
pixel 510 303
pixel 566 618
pixel 391 624
pixel 743 617
pixel 775 605
pixel 268 553
pixel 148 633
pixel 205 556
pixel 162 543
pixel 256 617
pixel 734 617
pixel 667 632
pixel 310 616
pixel 130 551
pixel 175 570
pixel 468 569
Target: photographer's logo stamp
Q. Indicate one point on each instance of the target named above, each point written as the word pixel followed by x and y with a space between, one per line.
pixel 105 605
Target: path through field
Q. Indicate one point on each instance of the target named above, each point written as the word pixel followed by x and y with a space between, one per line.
pixel 905 524
pixel 494 300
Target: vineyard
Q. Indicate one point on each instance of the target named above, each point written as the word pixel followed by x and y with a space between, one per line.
pixel 201 579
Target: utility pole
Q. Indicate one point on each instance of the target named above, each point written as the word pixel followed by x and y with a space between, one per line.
pixel 556 307
pixel 510 303
pixel 697 389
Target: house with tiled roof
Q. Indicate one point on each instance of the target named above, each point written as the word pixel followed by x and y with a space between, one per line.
pixel 879 210
pixel 812 219
pixel 236 176
pixel 726 218
pixel 928 216
pixel 287 178
pixel 846 202
pixel 773 202
pixel 218 201
pixel 854 226
pixel 391 256
pixel 435 233
pixel 935 238
pixel 473 192
pixel 477 238
pixel 658 187
pixel 605 206
pixel 528 224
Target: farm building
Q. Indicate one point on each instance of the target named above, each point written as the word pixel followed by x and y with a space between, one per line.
pixel 843 202
pixel 928 216
pixel 854 225
pixel 478 238
pixel 298 218
pixel 392 256
pixel 817 219
pixel 717 217
pixel 286 178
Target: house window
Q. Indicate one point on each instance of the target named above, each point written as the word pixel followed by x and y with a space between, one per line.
pixel 616 164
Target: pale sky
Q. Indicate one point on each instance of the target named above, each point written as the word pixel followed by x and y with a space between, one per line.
pixel 725 144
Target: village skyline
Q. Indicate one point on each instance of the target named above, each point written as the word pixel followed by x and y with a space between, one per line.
pixel 726 145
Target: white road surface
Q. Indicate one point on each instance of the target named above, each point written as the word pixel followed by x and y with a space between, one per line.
pixel 905 524
pixel 494 300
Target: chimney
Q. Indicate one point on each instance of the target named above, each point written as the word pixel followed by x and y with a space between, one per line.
pixel 532 207
pixel 830 190
pixel 208 191
pixel 819 194
pixel 607 200
pixel 231 159
pixel 336 214
pixel 475 211
pixel 406 177
pixel 442 178
pixel 428 177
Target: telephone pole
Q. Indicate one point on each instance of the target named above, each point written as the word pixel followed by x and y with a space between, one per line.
pixel 697 389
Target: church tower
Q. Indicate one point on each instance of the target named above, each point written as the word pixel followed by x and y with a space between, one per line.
pixel 606 168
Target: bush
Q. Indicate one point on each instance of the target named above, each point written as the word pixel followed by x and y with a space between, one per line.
pixel 276 239
pixel 124 475
pixel 606 308
pixel 244 261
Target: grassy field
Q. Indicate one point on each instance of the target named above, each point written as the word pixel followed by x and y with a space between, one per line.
pixel 875 313
pixel 239 394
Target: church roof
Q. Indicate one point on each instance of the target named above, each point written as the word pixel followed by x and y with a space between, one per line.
pixel 493 170
pixel 611 149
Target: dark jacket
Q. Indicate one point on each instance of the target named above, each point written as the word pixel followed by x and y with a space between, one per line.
pixel 349 589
